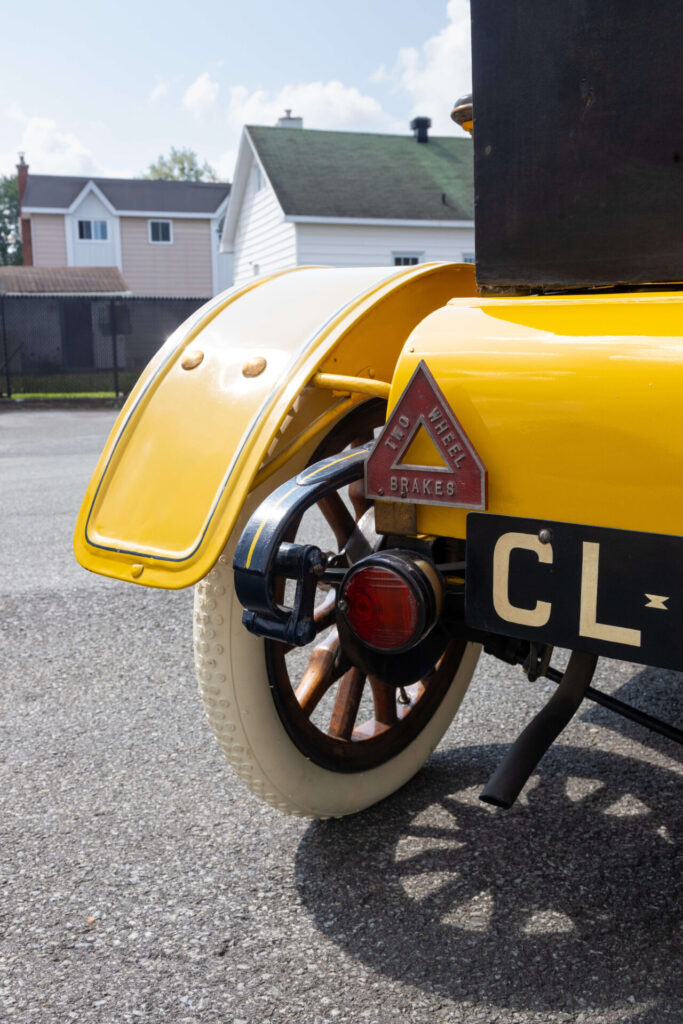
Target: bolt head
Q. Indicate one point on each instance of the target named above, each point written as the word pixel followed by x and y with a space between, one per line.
pixel 191 360
pixel 254 367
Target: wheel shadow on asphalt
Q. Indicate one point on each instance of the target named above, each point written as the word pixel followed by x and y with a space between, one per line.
pixel 655 690
pixel 567 902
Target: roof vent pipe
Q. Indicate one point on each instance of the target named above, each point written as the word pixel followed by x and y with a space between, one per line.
pixel 421 126
pixel 290 122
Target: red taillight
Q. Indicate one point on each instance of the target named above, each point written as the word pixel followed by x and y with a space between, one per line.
pixel 382 608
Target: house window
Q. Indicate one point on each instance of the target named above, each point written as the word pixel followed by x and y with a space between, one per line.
pixel 406 259
pixel 259 180
pixel 468 257
pixel 92 231
pixel 160 232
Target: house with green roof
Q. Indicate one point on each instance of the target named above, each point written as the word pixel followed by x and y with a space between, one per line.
pixel 348 199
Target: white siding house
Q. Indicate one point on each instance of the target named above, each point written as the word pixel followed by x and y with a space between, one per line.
pixel 347 199
pixel 351 245
pixel 264 241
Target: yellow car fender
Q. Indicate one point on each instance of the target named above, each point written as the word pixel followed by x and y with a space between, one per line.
pixel 226 399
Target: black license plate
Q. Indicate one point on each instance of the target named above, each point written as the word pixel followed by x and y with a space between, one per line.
pixel 613 592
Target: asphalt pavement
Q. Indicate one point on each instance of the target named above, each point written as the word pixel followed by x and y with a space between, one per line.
pixel 140 880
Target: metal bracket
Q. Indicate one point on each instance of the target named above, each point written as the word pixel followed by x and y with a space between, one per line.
pixel 305 564
pixel 538 661
pixel 263 552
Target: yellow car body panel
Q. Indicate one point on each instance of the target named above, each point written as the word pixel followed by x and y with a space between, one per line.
pixel 188 443
pixel 574 405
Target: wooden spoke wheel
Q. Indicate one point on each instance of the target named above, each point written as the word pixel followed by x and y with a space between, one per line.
pixel 306 729
pixel 364 721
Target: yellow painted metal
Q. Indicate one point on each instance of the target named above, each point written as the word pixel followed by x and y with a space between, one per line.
pixel 188 444
pixel 573 403
pixel 313 430
pixel 359 385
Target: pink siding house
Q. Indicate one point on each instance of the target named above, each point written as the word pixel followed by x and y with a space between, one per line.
pixel 163 236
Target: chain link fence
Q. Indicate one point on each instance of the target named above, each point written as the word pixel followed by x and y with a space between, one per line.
pixel 82 345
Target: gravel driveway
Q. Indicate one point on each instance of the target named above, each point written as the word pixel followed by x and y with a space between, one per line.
pixel 140 881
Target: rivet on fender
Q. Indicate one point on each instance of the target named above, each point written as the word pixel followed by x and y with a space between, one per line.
pixel 136 570
pixel 254 367
pixel 192 360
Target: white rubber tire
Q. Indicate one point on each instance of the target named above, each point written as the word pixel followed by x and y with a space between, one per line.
pixel 234 686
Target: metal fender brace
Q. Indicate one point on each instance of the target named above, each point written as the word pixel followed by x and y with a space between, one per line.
pixel 509 778
pixel 507 781
pixel 263 551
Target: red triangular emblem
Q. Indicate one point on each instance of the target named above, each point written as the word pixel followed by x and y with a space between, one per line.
pixel 460 477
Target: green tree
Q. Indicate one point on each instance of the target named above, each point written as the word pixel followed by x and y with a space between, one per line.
pixel 181 165
pixel 10 243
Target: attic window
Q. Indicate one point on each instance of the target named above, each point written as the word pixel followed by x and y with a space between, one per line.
pixel 259 180
pixel 407 259
pixel 92 231
pixel 160 232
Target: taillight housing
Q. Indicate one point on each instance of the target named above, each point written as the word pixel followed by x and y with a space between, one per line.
pixel 391 600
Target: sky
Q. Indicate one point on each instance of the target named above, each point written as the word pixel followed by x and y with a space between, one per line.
pixel 103 89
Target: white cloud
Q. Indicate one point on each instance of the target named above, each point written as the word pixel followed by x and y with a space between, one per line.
pixel 200 97
pixel 434 75
pixel 225 164
pixel 380 74
pixel 51 151
pixel 330 105
pixel 159 90
pixel 324 105
pixel 14 112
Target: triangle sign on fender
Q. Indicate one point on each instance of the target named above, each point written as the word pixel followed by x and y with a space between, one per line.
pixel 460 481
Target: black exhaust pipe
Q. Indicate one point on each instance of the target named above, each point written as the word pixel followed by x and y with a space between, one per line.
pixel 508 780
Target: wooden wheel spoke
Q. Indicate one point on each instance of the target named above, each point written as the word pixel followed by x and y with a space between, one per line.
pixel 346 704
pixel 324 614
pixel 384 699
pixel 338 516
pixel 318 675
pixel 358 500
